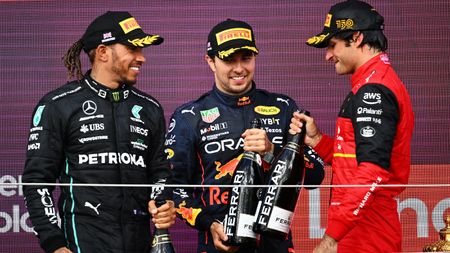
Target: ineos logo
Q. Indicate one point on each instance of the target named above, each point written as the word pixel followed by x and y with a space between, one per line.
pixel 89 107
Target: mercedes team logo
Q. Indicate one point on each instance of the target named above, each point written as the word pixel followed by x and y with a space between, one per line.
pixel 89 107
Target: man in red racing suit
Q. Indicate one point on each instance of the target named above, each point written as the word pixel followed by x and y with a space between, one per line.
pixel 372 139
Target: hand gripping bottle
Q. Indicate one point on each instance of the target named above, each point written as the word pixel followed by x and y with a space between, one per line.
pixel 276 205
pixel 161 242
pixel 243 200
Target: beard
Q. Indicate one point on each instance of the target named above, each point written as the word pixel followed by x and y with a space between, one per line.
pixel 121 71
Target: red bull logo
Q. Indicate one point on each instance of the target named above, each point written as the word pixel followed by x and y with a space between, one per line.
pixel 243 101
pixel 189 214
pixel 228 168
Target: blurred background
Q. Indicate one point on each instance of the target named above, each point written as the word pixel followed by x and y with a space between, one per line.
pixel 34 35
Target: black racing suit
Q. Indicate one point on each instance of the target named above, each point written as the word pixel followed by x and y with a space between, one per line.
pixel 204 143
pixel 86 133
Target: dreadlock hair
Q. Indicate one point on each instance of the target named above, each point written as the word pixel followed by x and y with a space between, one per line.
pixel 72 60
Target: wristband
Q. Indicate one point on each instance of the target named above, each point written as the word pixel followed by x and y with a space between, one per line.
pixel 268 157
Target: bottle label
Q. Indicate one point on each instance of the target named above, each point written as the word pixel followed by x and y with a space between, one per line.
pixel 161 239
pixel 268 201
pixel 230 218
pixel 280 219
pixel 245 226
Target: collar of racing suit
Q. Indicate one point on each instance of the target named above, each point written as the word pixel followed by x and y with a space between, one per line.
pixel 235 101
pixel 363 74
pixel 102 91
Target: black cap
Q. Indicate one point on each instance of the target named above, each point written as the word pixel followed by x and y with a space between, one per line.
pixel 117 27
pixel 229 36
pixel 351 15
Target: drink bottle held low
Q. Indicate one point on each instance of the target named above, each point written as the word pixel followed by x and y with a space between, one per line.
pixel 161 242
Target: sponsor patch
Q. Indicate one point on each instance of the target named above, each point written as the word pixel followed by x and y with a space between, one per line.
pixel 367 131
pixel 210 115
pixel 243 101
pixel 93 138
pixel 89 107
pixel 234 34
pixel 111 158
pixel 172 125
pixel 129 25
pixel 170 140
pixel 135 111
pixel 214 127
pixel 344 24
pixel 328 20
pixel 267 110
pixel 38 115
pixel 169 153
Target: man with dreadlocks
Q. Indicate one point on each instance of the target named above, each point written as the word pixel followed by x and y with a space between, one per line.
pixel 99 129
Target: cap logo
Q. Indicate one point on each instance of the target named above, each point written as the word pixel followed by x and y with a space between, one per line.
pixel 328 20
pixel 344 24
pixel 107 37
pixel 129 25
pixel 148 40
pixel 317 39
pixel 226 53
pixel 234 34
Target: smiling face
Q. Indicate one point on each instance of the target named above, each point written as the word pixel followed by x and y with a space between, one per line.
pixel 234 75
pixel 126 63
pixel 343 55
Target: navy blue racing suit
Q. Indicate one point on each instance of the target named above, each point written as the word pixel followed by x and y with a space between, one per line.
pixel 203 145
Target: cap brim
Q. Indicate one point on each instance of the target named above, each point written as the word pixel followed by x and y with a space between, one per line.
pixel 227 53
pixel 143 40
pixel 320 40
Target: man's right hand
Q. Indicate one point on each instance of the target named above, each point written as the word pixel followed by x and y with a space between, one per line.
pixel 313 134
pixel 63 250
pixel 219 237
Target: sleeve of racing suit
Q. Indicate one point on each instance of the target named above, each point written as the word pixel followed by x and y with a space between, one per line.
pixel 314 165
pixel 325 148
pixel 186 167
pixel 159 165
pixel 374 117
pixel 44 161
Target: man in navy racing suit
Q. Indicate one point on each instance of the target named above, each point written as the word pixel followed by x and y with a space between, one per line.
pixel 207 137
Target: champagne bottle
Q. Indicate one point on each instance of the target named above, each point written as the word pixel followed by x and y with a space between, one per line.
pixel 161 242
pixel 276 205
pixel 242 200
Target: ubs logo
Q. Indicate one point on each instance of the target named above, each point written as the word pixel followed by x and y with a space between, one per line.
pixel 89 107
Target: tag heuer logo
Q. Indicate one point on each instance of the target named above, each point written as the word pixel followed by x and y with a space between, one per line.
pixel 210 115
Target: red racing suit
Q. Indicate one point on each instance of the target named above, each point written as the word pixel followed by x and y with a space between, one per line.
pixel 371 147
